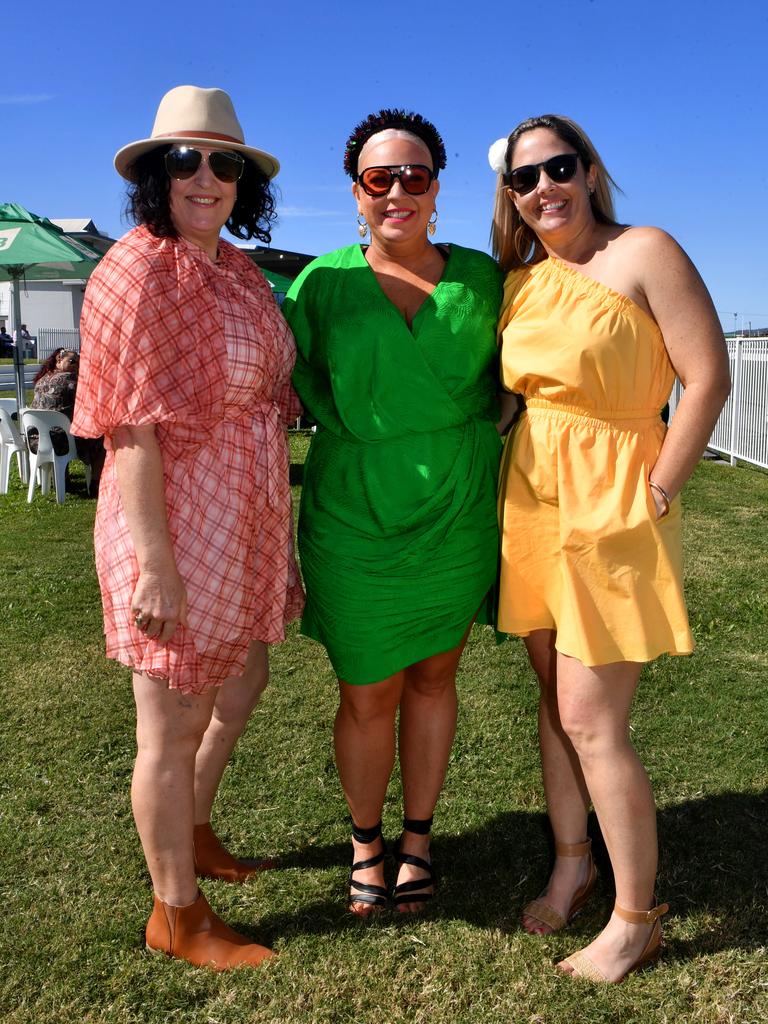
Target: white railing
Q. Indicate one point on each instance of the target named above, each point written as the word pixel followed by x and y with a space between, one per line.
pixel 741 431
pixel 51 338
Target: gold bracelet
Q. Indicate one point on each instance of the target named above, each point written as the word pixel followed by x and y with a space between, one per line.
pixel 664 497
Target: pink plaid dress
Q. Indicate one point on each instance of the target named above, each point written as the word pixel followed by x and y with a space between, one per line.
pixel 200 350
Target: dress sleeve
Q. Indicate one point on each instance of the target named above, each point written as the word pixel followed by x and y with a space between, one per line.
pixel 513 282
pixel 142 320
pixel 310 378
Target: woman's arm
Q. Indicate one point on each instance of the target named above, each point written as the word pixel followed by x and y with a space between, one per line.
pixel 694 340
pixel 160 593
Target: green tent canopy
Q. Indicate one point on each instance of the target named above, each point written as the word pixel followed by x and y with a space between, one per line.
pixel 279 283
pixel 32 247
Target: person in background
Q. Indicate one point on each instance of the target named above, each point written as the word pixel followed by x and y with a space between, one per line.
pixel 55 387
pixel 597 318
pixel 55 383
pixel 186 364
pixel 397 533
pixel 26 339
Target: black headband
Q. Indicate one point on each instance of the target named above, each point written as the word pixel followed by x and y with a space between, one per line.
pixel 398 119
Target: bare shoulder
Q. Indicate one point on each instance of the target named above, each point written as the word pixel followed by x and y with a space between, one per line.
pixel 649 242
pixel 659 264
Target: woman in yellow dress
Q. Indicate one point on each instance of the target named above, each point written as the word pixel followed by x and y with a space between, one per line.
pixel 597 319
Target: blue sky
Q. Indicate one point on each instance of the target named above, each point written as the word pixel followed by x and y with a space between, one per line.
pixel 672 93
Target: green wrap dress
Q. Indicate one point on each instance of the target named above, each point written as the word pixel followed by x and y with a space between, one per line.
pixel 398 534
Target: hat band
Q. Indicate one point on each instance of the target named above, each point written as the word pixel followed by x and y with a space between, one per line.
pixel 215 136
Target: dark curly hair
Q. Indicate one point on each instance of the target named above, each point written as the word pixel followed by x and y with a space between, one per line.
pixel 405 121
pixel 148 199
pixel 49 364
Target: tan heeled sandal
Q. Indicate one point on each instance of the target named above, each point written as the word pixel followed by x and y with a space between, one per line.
pixel 579 964
pixel 543 913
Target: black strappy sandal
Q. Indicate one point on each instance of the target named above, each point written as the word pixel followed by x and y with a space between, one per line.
pixel 407 892
pixel 364 892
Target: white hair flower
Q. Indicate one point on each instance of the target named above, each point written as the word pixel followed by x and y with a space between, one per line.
pixel 497 156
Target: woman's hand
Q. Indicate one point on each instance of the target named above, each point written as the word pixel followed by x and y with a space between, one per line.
pixel 159 604
pixel 661 507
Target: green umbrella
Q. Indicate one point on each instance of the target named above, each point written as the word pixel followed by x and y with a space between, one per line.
pixel 34 248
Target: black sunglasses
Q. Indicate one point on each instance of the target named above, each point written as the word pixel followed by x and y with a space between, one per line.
pixel 183 163
pixel 559 169
pixel 414 178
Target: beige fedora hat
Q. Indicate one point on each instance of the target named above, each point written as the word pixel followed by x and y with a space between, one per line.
pixel 193 116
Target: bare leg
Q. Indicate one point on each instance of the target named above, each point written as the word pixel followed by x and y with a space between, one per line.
pixel 169 729
pixel 235 700
pixel 564 786
pixel 594 706
pixel 428 710
pixel 364 735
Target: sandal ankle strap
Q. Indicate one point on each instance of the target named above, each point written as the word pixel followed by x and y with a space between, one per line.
pixel 640 916
pixel 421 826
pixel 573 849
pixel 366 835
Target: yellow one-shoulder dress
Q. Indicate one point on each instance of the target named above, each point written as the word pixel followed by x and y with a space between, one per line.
pixel 582 552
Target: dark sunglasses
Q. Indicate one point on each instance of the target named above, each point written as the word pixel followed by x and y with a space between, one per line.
pixel 415 179
pixel 183 163
pixel 559 169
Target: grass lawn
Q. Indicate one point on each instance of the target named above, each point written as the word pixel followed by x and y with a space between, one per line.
pixel 76 895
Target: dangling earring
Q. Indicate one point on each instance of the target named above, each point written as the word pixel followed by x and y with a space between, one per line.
pixel 362 227
pixel 432 225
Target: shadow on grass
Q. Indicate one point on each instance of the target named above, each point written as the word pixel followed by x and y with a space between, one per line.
pixel 713 863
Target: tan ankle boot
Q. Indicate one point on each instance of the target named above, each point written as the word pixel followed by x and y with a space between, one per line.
pixel 213 860
pixel 196 934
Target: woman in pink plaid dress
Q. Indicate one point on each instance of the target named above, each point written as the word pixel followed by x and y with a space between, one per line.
pixel 185 369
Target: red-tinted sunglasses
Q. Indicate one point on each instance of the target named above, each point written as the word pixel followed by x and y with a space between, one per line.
pixel 415 179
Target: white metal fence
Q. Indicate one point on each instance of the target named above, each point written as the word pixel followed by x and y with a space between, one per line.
pixel 741 431
pixel 50 338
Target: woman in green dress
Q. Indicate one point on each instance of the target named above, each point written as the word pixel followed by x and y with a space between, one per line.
pixel 398 534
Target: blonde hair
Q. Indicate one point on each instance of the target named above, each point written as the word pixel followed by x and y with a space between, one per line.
pixel 513 243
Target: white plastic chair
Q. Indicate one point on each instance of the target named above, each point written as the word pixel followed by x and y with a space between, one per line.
pixel 11 443
pixel 45 463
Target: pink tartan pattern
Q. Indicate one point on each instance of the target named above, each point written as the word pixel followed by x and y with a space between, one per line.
pixel 202 351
